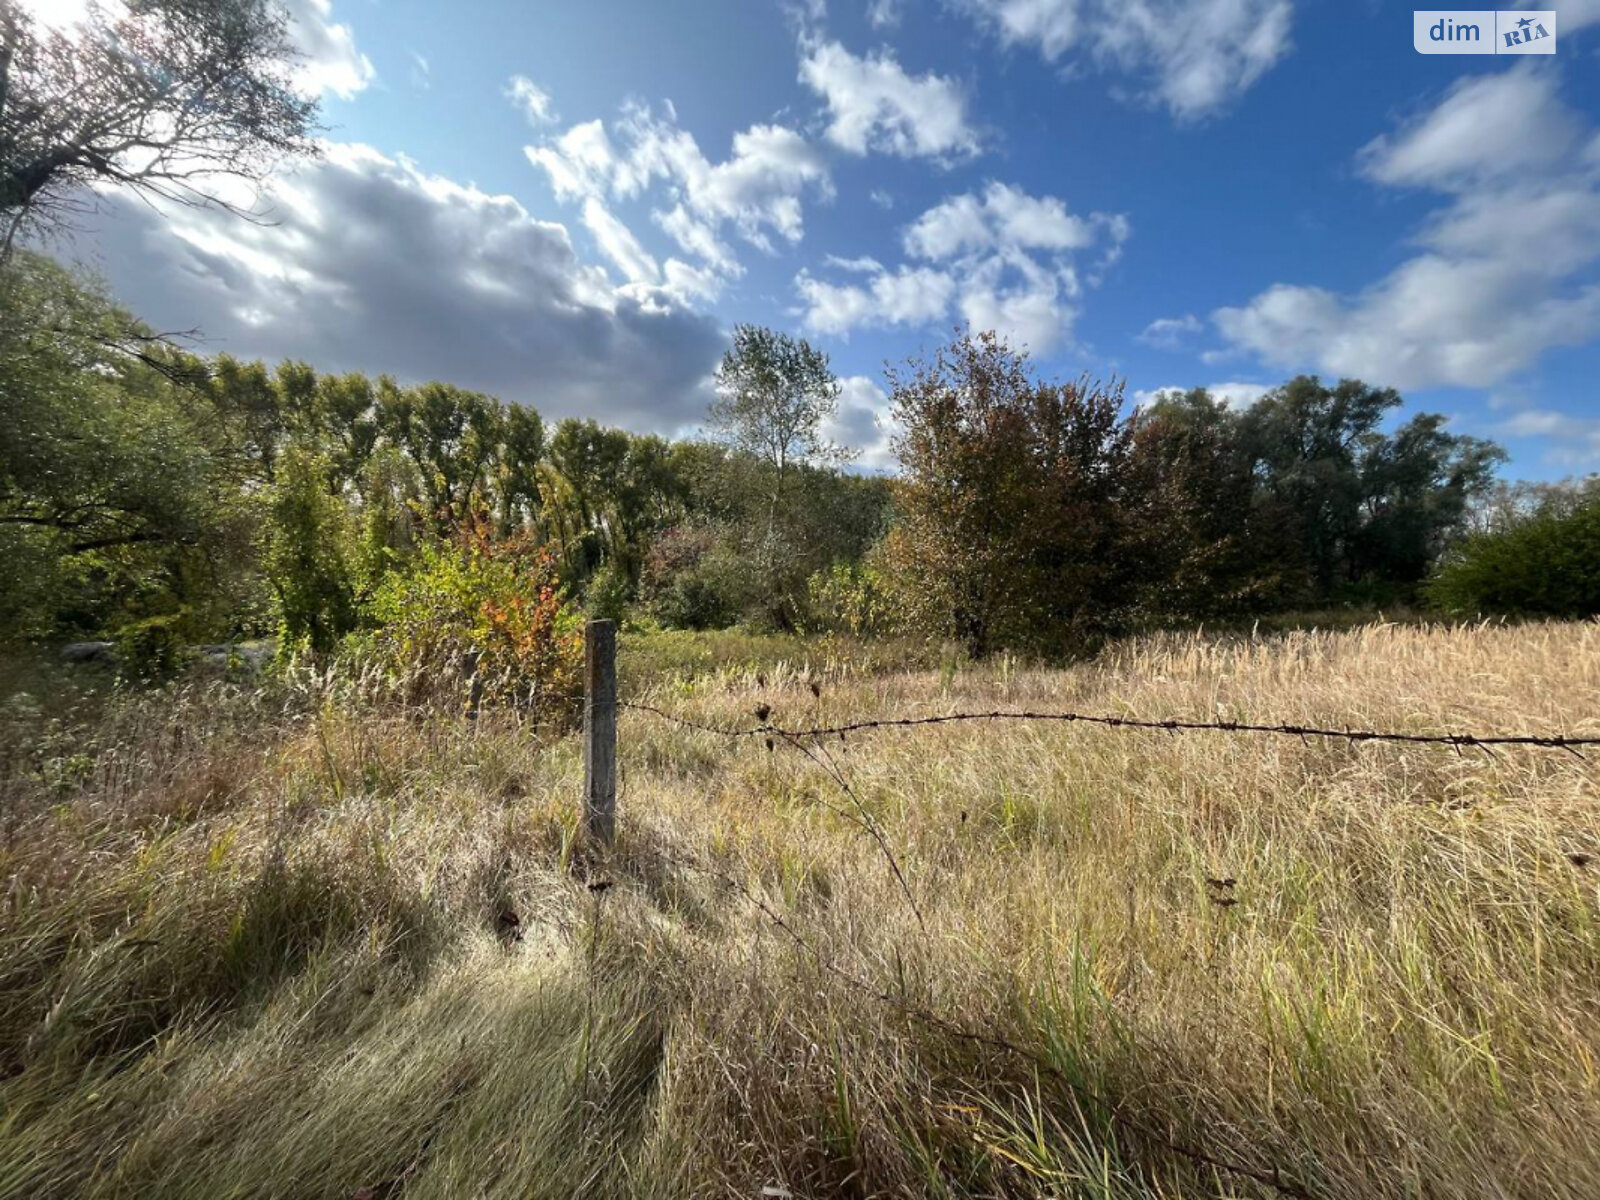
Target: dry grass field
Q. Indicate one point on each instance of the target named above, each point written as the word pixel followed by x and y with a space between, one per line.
pixel 275 944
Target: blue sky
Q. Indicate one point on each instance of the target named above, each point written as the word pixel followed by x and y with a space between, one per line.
pixel 570 204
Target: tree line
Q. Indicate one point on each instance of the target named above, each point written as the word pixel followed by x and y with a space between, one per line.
pixel 220 499
pixel 1043 514
pixel 232 499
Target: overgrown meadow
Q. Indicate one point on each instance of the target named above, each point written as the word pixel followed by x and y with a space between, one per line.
pixel 279 938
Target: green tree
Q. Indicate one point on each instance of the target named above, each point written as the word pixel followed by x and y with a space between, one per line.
pixel 310 555
pixel 109 486
pixel 1014 525
pixel 590 461
pixel 1305 442
pixel 774 395
pixel 1418 489
pixel 1195 550
pixel 1544 564
pixel 517 476
pixel 451 435
pixel 1343 505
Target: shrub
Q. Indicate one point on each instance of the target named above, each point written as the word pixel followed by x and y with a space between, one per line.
pixel 150 648
pixel 309 541
pixel 854 598
pixel 609 593
pixel 1544 565
pixel 479 620
pixel 692 581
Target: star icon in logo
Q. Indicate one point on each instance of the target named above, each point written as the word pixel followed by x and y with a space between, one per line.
pixel 1524 23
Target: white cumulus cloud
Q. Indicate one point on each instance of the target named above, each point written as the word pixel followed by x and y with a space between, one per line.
pixel 757 192
pixel 331 62
pixel 998 259
pixel 1504 269
pixel 874 104
pixel 1192 56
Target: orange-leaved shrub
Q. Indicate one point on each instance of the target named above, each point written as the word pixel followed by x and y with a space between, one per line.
pixel 479 619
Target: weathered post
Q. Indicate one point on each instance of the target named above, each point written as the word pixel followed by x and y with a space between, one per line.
pixel 600 730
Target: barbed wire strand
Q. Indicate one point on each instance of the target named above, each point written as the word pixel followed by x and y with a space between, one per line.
pixel 1458 741
pixel 1273 1178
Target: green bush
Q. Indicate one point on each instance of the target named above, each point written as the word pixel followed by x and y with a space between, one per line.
pixel 693 580
pixel 151 648
pixel 1545 565
pixel 852 598
pixel 478 620
pixel 608 594
pixel 309 540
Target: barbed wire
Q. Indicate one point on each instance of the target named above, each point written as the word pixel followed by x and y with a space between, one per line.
pixel 1457 741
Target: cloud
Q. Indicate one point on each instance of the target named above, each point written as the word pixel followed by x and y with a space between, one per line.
pixel 884 14
pixel 1194 56
pixel 376 265
pixel 905 296
pixel 1504 269
pixel 1167 333
pixel 998 259
pixel 1233 394
pixel 618 244
pixel 331 62
pixel 1577 439
pixel 1003 216
pixel 875 105
pixel 1052 26
pixel 421 73
pixel 866 263
pixel 863 423
pixel 532 101
pixel 757 192
pixel 1486 127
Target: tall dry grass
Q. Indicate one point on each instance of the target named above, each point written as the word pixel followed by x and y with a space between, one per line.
pixel 270 944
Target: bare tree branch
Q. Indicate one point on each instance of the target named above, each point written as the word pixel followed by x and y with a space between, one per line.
pixel 171 100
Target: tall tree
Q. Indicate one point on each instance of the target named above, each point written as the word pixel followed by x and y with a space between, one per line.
pixel 1013 515
pixel 1352 505
pixel 517 479
pixel 1197 547
pixel 167 97
pixel 589 460
pixel 111 474
pixel 774 394
pixel 451 435
pixel 1305 441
